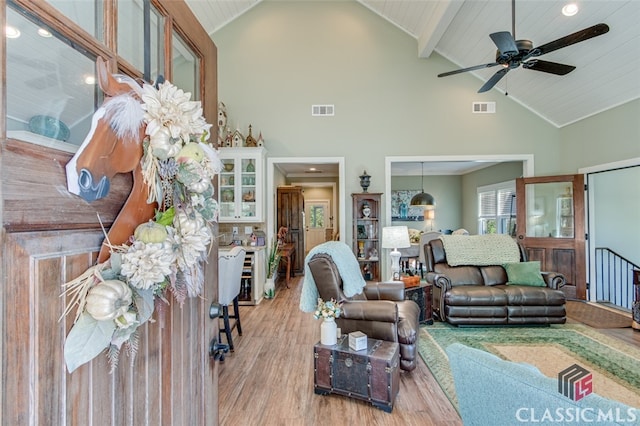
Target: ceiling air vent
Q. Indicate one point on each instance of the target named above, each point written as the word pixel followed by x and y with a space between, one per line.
pixel 322 110
pixel 483 107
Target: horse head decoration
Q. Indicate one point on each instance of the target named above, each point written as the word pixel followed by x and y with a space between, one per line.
pixel 164 231
pixel 113 145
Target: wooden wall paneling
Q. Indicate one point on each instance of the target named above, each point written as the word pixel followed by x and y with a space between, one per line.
pixel 537 254
pixel 564 260
pixel 34 261
pixel 26 193
pixel 34 202
pixel 77 404
pixel 49 364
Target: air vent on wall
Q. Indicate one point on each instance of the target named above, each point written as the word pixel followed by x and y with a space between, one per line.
pixel 322 110
pixel 483 107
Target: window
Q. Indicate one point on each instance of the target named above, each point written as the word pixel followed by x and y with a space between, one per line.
pixel 497 208
pixel 317 216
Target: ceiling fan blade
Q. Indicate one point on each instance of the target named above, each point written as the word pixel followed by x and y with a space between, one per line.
pixel 546 66
pixel 574 38
pixel 504 41
pixel 494 80
pixel 477 67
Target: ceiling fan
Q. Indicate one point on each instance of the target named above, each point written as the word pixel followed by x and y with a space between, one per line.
pixel 512 53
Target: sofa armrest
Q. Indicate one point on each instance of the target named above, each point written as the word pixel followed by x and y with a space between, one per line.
pixel 441 281
pixel 384 291
pixel 370 310
pixel 554 280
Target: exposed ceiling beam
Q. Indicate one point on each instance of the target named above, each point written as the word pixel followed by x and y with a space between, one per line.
pixel 435 25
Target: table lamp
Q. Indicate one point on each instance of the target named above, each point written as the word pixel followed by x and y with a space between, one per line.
pixel 395 237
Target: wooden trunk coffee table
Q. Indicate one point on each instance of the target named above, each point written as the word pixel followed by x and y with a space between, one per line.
pixel 371 374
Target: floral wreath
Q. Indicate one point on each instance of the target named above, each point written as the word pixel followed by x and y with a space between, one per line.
pixel 165 255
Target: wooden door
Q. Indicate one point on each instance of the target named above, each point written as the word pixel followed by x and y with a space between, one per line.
pixel 291 216
pixel 49 236
pixel 316 214
pixel 551 226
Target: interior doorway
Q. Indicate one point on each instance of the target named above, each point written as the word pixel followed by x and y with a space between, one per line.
pixel 329 171
pixel 613 230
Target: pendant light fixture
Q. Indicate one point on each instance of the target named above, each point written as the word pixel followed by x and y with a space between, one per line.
pixel 423 199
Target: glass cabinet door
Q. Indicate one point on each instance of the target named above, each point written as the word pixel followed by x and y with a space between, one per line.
pixel 227 188
pixel 248 188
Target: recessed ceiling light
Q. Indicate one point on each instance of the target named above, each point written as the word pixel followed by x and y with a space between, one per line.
pixel 44 33
pixel 11 32
pixel 90 80
pixel 570 9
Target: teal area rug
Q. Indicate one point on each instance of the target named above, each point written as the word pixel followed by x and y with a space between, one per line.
pixel 615 365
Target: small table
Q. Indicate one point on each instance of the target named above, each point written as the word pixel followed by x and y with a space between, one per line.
pixel 422 295
pixel 371 374
pixel 288 255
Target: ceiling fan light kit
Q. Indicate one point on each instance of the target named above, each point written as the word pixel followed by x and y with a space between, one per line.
pixel 512 53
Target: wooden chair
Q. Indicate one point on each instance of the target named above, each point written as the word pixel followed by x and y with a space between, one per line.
pixel 229 279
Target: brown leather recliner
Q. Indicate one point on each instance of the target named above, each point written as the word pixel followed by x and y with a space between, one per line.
pixel 380 311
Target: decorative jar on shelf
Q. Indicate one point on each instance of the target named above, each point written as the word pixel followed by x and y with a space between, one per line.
pixel 366 210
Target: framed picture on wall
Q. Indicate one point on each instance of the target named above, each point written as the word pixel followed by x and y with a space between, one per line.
pixel 400 208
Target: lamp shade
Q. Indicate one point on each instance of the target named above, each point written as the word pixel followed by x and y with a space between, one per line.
pixel 395 237
pixel 423 199
pixel 429 214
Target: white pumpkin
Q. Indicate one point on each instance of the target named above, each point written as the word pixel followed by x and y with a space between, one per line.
pixel 108 300
pixel 188 223
pixel 150 232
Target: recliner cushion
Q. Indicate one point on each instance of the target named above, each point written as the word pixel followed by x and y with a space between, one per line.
pixel 460 275
pixel 521 295
pixel 493 275
pixel 476 296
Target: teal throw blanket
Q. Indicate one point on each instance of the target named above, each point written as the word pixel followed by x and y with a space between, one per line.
pixel 348 268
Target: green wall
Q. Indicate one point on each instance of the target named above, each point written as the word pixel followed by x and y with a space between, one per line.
pixel 281 57
pixel 610 136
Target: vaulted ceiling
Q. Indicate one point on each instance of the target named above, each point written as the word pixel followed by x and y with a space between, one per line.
pixel 607 70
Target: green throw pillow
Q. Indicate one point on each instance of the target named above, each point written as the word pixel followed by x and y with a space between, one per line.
pixel 524 273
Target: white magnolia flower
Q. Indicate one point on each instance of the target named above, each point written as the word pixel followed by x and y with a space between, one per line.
pixel 147 264
pixel 169 107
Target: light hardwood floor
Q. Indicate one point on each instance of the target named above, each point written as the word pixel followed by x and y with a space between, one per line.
pixel 268 380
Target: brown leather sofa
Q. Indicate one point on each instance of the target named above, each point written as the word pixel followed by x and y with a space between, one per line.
pixel 380 311
pixel 479 295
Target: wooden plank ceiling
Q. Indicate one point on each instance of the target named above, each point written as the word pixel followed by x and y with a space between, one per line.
pixel 608 67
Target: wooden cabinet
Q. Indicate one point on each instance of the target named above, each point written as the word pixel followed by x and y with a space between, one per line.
pixel 291 216
pixel 367 210
pixel 241 185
